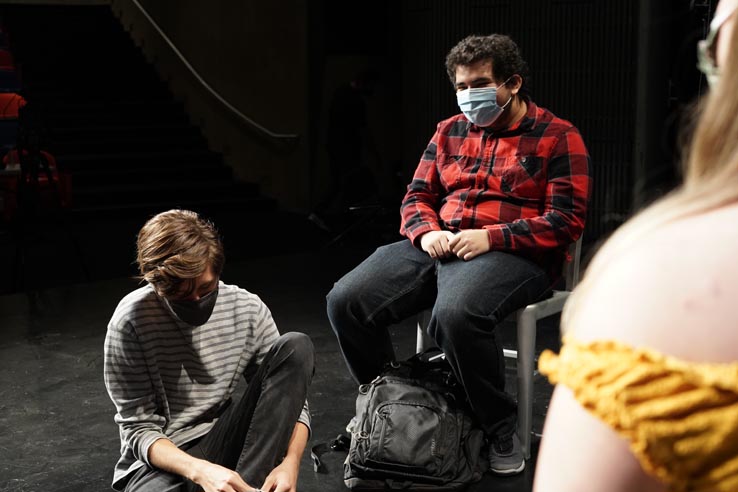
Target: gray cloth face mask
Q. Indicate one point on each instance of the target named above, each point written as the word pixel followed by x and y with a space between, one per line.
pixel 195 313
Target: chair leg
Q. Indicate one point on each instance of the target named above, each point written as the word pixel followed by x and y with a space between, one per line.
pixel 526 356
pixel 419 339
pixel 526 353
pixel 422 340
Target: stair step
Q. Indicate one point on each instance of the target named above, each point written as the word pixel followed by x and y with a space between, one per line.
pixel 75 66
pixel 77 119
pixel 164 202
pixel 171 159
pixel 117 130
pixel 116 112
pixel 173 185
pixel 109 82
pixel 202 174
pixel 113 124
pixel 138 144
pixel 206 207
pixel 173 192
pixel 112 104
pixel 114 135
pixel 52 91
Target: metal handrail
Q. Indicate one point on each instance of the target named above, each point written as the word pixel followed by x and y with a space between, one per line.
pixel 290 137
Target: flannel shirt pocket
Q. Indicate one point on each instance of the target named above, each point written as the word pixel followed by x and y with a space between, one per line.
pixel 455 170
pixel 523 176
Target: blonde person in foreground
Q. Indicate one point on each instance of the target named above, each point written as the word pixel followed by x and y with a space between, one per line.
pixel 647 393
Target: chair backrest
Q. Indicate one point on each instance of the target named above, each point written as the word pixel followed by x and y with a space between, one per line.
pixel 571 267
pixel 10 103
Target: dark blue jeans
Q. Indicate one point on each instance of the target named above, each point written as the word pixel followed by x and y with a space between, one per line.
pixel 252 435
pixel 469 298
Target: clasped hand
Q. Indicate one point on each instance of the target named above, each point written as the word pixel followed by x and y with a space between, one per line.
pixel 216 478
pixel 465 244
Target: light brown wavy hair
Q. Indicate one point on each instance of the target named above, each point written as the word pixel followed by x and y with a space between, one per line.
pixel 711 177
pixel 174 248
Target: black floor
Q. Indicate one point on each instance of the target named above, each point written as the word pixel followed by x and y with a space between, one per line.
pixel 62 272
pixel 55 416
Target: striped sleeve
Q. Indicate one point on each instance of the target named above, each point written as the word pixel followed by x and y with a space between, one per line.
pixel 130 388
pixel 265 332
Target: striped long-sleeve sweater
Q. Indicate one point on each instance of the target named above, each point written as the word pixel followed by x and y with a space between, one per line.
pixel 168 379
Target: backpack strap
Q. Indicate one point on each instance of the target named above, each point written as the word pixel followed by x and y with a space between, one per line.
pixel 340 443
pixel 397 485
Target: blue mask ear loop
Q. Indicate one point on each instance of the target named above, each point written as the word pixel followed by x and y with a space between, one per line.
pixel 508 101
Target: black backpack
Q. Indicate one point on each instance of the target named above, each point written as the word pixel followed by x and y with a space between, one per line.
pixel 414 431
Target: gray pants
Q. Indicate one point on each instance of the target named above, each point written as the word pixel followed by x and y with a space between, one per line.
pixel 252 435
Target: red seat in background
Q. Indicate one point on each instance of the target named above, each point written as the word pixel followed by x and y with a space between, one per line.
pixel 10 103
pixel 6 60
pixel 57 193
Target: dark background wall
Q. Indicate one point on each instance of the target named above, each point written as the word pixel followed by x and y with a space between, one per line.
pixel 582 60
pixel 345 39
pixel 621 70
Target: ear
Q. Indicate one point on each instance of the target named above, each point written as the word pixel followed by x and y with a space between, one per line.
pixel 515 83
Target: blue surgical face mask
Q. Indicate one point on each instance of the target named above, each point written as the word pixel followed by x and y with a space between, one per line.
pixel 479 104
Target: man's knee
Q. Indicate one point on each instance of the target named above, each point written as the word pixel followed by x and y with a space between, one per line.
pixel 339 299
pixel 298 349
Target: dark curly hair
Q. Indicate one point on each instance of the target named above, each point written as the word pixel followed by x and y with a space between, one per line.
pixel 504 53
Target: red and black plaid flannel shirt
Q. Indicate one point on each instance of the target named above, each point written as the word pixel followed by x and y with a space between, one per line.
pixel 528 186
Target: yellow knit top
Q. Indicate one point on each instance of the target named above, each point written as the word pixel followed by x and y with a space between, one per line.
pixel 680 418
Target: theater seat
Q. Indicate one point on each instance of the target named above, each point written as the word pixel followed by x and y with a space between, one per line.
pixel 9 81
pixel 10 103
pixel 6 60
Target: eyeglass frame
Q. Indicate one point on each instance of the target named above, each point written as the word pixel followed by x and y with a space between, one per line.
pixel 706 57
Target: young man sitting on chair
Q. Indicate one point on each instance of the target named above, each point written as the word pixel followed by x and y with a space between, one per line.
pixel 500 192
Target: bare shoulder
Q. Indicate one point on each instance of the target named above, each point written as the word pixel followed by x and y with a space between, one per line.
pixel 674 291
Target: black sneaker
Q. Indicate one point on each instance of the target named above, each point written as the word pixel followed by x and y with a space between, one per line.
pixel 506 455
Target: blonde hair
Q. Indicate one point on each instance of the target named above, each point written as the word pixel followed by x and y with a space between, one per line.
pixel 174 248
pixel 711 177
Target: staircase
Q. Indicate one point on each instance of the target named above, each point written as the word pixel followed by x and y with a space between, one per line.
pixel 131 152
pixel 113 124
